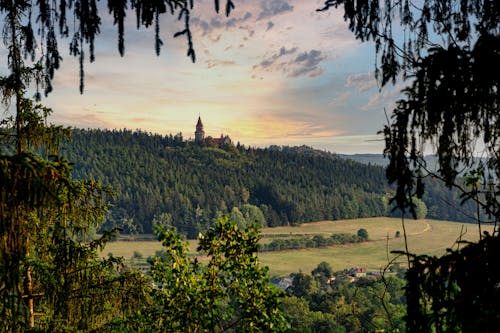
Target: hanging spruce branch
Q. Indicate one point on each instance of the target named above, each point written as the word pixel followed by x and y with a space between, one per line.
pixel 190 52
pixel 80 20
pixel 117 8
pixel 446 52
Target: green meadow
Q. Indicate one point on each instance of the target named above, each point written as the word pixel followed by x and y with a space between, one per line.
pixel 430 237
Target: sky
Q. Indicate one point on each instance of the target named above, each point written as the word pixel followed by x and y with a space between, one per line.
pixel 275 72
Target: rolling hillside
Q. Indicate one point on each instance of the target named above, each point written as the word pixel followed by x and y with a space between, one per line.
pixel 168 180
pixel 153 175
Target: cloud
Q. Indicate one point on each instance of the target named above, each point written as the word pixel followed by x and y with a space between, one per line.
pixel 340 100
pixel 213 63
pixel 284 51
pixel 309 71
pixel 204 25
pixel 258 66
pixel 267 62
pixel 307 64
pixel 216 23
pixel 362 82
pixel 271 8
pixel 234 21
pixel 310 59
pixel 304 64
pixel 385 99
pixel 85 119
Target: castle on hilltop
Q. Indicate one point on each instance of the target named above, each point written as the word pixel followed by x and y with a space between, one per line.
pixel 199 136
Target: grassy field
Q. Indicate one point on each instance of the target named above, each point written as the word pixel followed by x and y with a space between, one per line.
pixel 424 236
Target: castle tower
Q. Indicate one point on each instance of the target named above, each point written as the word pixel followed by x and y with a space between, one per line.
pixel 199 135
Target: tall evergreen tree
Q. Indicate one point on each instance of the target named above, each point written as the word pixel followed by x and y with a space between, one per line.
pixel 51 277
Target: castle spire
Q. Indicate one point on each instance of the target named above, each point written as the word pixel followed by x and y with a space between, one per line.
pixel 199 134
pixel 199 124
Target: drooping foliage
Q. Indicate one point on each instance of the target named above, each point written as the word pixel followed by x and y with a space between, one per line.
pixel 446 51
pixel 457 292
pixel 40 25
pixel 51 277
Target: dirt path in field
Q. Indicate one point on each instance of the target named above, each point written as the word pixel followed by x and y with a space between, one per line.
pixel 427 228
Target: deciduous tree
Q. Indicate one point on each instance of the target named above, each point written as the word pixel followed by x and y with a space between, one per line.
pixel 230 293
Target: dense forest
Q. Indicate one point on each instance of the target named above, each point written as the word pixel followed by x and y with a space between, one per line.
pixel 152 175
pixel 169 180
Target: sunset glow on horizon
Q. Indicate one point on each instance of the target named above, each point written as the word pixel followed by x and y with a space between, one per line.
pixel 273 72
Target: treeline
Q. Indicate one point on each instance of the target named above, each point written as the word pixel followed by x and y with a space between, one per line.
pixel 306 242
pixel 438 202
pixel 185 185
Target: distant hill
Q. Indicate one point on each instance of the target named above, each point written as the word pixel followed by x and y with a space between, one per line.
pixel 373 159
pixel 380 160
pixel 441 202
pixel 167 180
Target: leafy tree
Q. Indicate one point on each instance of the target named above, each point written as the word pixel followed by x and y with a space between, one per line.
pixel 231 292
pixel 238 218
pixel 445 50
pixel 323 269
pixel 130 226
pixel 420 209
pixel 297 309
pixel 366 305
pixel 161 222
pixel 362 234
pixel 310 242
pixel 322 274
pixel 245 194
pixel 304 320
pixel 302 285
pixel 253 215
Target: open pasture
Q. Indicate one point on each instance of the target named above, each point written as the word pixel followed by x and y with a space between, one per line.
pixel 424 237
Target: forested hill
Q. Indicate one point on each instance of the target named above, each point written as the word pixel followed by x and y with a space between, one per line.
pixel 153 175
